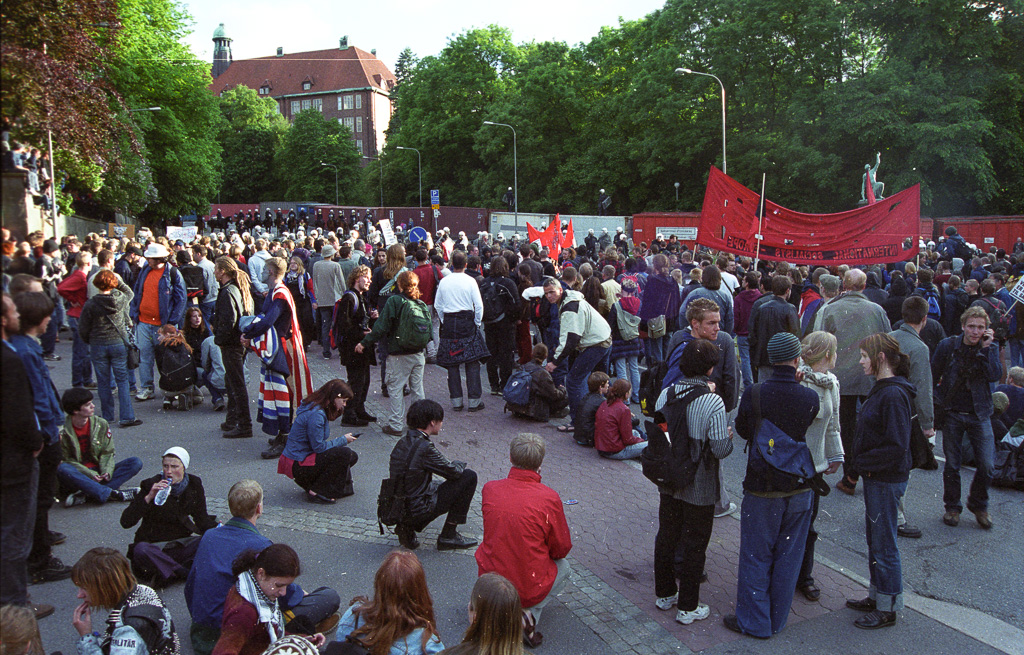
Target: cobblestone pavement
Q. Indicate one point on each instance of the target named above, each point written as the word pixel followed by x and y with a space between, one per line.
pixel 613 523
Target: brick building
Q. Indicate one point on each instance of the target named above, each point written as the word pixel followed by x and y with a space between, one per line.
pixel 347 84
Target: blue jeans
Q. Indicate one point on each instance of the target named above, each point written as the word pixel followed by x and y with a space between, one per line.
pixel 81 366
pixel 48 339
pixel 880 502
pixel 146 339
pixel 745 370
pixel 576 379
pixel 215 393
pixel 773 533
pixel 628 368
pixel 16 526
pixel 111 363
pixel 980 435
pixel 99 492
pixel 632 451
pixel 654 350
pixel 550 339
pixel 1016 352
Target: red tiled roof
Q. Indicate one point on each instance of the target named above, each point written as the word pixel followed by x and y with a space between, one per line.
pixel 328 70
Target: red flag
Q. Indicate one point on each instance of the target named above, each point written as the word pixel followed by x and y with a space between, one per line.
pixel 555 238
pixel 570 236
pixel 871 234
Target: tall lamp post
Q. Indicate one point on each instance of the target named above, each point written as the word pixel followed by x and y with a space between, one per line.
pixel 419 165
pixel 335 181
pixel 676 185
pixel 515 169
pixel 687 71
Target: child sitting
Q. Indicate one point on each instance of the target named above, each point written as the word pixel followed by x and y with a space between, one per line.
pixel 546 399
pixel 614 435
pixel 173 358
pixel 597 383
pixel 88 471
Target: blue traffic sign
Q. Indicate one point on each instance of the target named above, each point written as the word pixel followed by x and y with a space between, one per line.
pixel 435 197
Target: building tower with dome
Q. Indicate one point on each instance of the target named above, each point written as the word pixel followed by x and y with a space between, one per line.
pixel 221 51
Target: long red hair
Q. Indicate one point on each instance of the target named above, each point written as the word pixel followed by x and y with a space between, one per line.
pixel 401 603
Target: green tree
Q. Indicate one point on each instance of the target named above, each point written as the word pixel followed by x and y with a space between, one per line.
pixel 311 142
pixel 251 135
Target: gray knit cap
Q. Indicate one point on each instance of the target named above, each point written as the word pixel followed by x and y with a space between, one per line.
pixel 783 347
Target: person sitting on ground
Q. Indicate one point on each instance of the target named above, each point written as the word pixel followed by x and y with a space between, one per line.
pixel 138 623
pixel 1014 390
pixel 87 445
pixel 415 459
pixel 494 619
pixel 166 542
pixel 210 577
pixel 173 358
pixel 400 617
pixel 583 431
pixel 526 536
pixel 317 463
pixel 546 399
pixel 614 434
pixel 253 619
pixel 211 372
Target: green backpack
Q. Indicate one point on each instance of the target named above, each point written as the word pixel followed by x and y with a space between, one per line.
pixel 415 329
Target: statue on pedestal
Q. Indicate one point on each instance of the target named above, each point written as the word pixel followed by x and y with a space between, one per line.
pixel 870 188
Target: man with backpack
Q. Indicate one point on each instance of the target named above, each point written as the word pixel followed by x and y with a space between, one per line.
pixel 429 275
pixel 405 323
pixel 999 319
pixel 927 290
pixel 776 505
pixel 500 298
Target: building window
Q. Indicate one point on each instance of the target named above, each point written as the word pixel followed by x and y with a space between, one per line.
pixel 318 104
pixel 306 103
pixel 295 107
pixel 347 102
pixel 306 86
pixel 359 102
pixel 359 145
pixel 359 123
pixel 264 90
pixel 348 122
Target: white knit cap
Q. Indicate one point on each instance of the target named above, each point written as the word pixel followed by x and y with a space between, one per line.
pixel 180 453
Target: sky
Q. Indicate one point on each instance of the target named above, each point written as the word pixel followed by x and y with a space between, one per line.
pixel 258 27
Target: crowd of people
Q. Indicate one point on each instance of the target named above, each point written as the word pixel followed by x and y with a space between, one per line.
pixel 810 357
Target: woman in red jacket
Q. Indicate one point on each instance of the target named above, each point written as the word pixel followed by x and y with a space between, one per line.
pixel 73 289
pixel 614 435
pixel 252 619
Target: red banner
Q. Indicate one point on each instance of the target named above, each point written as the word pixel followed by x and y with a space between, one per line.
pixel 872 234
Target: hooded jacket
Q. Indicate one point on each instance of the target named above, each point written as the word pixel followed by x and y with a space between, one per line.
pixel 881 446
pixel 823 435
pixel 94 326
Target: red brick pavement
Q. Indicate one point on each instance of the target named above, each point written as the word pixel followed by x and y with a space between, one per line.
pixel 615 521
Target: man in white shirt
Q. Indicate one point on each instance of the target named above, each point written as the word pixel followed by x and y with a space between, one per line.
pixel 729 281
pixel 200 254
pixel 461 309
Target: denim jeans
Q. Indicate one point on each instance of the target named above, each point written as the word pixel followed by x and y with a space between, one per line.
pixel 215 393
pixel 474 389
pixel 325 314
pixel 16 535
pixel 48 339
pixel 773 533
pixel 81 366
pixel 880 500
pixel 207 309
pixel 628 368
pixel 99 492
pixel 111 363
pixel 654 350
pixel 632 451
pixel 146 339
pixel 980 435
pixel 550 339
pixel 745 370
pixel 576 379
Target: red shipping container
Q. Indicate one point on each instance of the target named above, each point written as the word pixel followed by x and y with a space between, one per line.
pixel 985 231
pixel 646 227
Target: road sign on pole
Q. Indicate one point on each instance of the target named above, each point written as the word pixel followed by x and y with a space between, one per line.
pixel 435 199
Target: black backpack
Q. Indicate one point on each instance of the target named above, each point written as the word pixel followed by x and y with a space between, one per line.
pixel 177 370
pixel 671 464
pixel 490 294
pixel 1008 467
pixel 650 386
pixel 195 285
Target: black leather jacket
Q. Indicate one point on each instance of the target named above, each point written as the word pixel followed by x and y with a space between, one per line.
pixel 420 488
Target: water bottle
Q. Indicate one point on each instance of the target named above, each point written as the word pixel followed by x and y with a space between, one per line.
pixel 161 495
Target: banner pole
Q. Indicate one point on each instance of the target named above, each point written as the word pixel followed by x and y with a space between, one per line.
pixel 760 219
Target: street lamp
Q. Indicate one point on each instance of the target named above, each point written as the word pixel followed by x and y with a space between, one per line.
pixel 687 71
pixel 335 181
pixel 515 169
pixel 381 162
pixel 419 165
pixel 676 185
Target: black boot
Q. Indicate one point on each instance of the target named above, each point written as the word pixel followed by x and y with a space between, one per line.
pixel 450 539
pixel 275 451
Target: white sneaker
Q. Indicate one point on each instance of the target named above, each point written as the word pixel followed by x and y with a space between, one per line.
pixel 686 618
pixel 727 511
pixel 666 603
pixel 77 498
pixel 144 394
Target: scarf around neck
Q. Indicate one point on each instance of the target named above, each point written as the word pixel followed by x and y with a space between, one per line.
pixel 269 611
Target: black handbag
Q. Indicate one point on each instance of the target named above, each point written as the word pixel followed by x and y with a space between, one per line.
pixel 134 358
pixel 921 454
pixel 391 499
